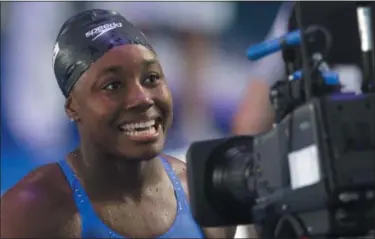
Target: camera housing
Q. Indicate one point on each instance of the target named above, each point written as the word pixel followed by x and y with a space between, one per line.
pixel 317 165
pixel 312 174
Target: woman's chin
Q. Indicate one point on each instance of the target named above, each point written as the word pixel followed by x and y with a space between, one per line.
pixel 141 153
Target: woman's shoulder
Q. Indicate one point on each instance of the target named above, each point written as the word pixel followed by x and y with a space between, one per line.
pixel 179 167
pixel 43 181
pixel 28 207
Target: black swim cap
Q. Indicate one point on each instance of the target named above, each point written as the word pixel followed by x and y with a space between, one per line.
pixel 85 38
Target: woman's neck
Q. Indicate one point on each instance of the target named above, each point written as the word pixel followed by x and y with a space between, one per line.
pixel 106 177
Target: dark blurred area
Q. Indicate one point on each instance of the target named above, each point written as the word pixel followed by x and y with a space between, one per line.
pixel 340 19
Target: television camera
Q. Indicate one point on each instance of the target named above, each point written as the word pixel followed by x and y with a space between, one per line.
pixel 311 175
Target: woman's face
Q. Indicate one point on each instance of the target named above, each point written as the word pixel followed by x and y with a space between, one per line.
pixel 122 103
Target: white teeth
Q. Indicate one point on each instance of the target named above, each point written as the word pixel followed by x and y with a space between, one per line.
pixel 138 125
pixel 148 131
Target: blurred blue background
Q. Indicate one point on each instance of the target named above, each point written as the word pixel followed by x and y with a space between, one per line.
pixel 201 47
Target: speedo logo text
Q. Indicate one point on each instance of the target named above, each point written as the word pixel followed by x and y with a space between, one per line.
pixel 100 30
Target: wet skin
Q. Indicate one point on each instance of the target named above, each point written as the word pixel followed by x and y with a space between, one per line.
pixel 125 85
pixel 119 169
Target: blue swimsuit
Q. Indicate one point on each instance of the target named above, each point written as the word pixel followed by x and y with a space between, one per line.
pixel 184 225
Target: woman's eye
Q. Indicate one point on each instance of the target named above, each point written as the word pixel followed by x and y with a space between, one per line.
pixel 113 86
pixel 152 79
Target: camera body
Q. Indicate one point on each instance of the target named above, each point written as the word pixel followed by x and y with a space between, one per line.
pixel 312 174
pixel 316 166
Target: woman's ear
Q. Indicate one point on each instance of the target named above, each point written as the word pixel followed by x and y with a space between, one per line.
pixel 71 109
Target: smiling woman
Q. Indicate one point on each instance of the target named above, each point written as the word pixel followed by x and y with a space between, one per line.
pixel 122 90
pixel 116 183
